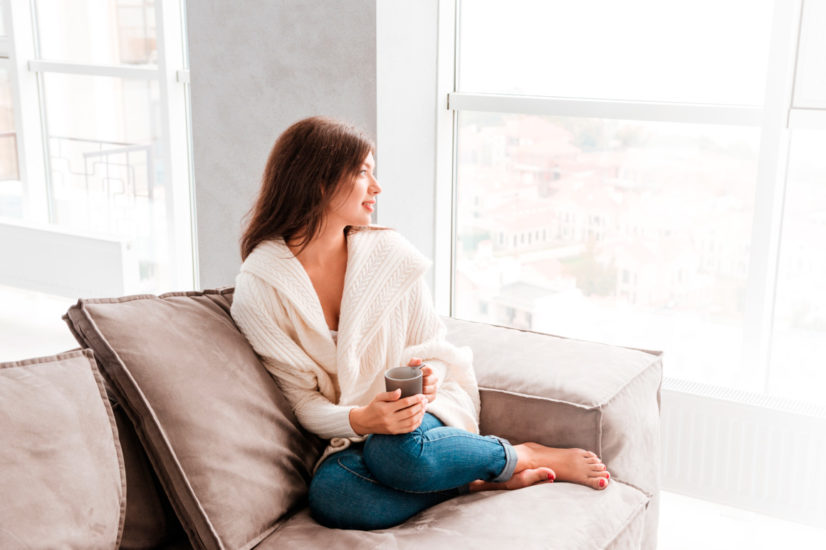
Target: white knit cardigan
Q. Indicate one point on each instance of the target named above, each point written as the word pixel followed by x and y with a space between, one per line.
pixel 386 318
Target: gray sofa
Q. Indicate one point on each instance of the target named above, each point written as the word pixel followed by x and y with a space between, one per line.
pixel 193 445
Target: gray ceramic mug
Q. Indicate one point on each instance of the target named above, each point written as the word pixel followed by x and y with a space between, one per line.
pixel 408 379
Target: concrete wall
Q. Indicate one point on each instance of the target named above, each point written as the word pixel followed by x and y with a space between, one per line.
pixel 256 67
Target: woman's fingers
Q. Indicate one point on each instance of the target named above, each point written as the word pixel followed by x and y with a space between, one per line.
pixel 405 403
pixel 429 383
pixel 409 414
pixel 391 396
pixel 417 407
pixel 413 421
pixel 414 362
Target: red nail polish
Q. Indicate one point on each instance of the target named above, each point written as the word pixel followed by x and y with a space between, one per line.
pixel 602 483
pixel 607 475
pixel 551 477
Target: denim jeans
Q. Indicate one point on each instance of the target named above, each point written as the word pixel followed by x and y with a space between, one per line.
pixel 389 478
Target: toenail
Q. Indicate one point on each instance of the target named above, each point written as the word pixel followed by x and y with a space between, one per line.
pixel 607 475
pixel 602 483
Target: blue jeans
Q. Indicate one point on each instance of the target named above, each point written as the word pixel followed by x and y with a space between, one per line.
pixel 389 478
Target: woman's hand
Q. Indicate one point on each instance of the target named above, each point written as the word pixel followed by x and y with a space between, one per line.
pixel 387 414
pixel 429 379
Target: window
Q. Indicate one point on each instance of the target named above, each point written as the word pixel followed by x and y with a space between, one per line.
pixel 681 181
pixel 95 186
pixel 98 91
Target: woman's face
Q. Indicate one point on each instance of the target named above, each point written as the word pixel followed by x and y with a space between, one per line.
pixel 353 203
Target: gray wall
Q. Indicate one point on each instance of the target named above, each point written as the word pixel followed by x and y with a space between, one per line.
pixel 256 67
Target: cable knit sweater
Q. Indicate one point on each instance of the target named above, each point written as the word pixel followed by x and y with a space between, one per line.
pixel 386 318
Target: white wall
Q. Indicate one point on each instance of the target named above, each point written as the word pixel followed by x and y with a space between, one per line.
pixel 256 67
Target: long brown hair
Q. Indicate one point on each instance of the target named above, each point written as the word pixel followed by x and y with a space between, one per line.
pixel 306 166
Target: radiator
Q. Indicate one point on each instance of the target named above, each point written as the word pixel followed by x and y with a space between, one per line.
pixel 758 453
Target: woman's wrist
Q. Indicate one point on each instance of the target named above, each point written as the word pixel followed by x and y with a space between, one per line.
pixel 355 420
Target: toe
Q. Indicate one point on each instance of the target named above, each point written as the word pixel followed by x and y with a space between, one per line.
pixel 598 483
pixel 592 460
pixel 526 478
pixel 547 474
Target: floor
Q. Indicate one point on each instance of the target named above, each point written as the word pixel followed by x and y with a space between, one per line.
pixel 691 524
pixel 31 326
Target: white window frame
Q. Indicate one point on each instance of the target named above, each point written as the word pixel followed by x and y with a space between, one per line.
pixel 775 119
pixel 26 74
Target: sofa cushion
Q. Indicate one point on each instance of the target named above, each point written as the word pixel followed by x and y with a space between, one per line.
pixel 61 471
pixel 551 515
pixel 572 393
pixel 216 428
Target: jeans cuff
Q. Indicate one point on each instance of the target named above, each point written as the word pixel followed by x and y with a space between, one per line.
pixel 510 460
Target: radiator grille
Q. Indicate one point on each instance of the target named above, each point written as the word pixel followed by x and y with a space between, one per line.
pixel 762 454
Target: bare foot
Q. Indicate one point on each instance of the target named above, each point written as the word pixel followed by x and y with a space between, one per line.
pixel 574 465
pixel 525 478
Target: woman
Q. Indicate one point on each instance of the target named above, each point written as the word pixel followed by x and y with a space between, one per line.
pixel 330 303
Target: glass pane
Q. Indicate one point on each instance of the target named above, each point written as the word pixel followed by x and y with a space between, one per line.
pixel 106 167
pixel 107 32
pixel 11 189
pixel 799 338
pixel 631 233
pixel 646 50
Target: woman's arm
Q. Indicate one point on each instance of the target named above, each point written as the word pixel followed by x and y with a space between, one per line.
pixel 314 411
pixel 255 311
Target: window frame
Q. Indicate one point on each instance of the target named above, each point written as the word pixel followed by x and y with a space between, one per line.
pixel 27 73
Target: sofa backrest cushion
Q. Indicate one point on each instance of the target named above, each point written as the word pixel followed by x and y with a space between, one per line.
pixel 216 428
pixel 61 471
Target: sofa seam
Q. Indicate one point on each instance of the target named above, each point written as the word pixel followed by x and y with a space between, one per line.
pixel 634 486
pixel 220 291
pixel 541 397
pixel 595 405
pixel 98 378
pixel 34 361
pixel 640 509
pixel 161 472
pixel 635 378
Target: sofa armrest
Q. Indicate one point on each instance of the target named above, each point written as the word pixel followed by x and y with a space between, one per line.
pixel 571 393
